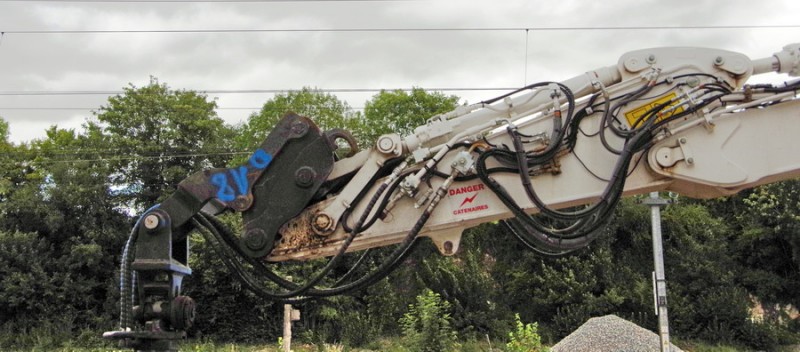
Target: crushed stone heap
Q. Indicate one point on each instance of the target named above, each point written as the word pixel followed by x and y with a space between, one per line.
pixel 610 333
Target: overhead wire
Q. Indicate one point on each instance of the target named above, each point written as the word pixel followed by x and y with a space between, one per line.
pixel 391 29
pixel 259 91
pixel 200 1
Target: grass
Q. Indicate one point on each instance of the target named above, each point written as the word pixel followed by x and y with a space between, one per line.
pixel 383 344
pixel 701 346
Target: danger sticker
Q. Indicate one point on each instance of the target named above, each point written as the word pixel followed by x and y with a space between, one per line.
pixel 468 199
pixel 635 116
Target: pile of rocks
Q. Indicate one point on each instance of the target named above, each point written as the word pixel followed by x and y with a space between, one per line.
pixel 610 334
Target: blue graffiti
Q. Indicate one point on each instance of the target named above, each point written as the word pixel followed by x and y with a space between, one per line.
pixel 260 159
pixel 240 178
pixel 225 191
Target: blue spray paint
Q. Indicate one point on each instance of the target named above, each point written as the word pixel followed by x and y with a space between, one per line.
pixel 225 191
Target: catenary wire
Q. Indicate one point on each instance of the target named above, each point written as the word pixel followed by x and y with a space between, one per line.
pixel 393 29
pixel 260 91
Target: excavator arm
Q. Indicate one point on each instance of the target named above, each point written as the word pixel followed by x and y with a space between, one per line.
pixel 550 161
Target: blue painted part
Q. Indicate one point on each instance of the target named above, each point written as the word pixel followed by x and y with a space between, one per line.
pixel 260 159
pixel 225 192
pixel 240 178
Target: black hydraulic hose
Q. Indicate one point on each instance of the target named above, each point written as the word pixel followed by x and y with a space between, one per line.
pixel 608 114
pixel 602 208
pixel 513 225
pixel 340 253
pixel 308 286
pixel 627 99
pixel 390 164
pixel 528 87
pixel 227 256
pixel 520 214
pixel 574 126
pixel 397 256
pixel 384 202
pixel 361 259
pixel 557 136
pixel 403 250
pixel 527 186
pixel 229 238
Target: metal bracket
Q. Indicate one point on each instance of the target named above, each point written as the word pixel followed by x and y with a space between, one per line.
pixel 669 156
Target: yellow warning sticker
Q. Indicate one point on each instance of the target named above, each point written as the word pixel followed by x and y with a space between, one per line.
pixel 637 113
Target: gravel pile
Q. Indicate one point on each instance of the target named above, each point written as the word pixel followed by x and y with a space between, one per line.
pixel 610 334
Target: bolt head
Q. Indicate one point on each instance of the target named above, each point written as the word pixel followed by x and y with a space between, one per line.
pixel 299 128
pixel 255 239
pixel 448 247
pixel 385 144
pixel 322 222
pixel 151 221
pixel 304 177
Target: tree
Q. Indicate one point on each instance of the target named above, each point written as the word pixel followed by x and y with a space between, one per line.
pixel 61 237
pixel 325 109
pixel 465 281
pixel 400 111
pixel 66 206
pixel 158 137
pixel 767 240
pixel 3 131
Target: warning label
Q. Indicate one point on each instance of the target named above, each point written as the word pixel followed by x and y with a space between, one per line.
pixel 467 199
pixel 636 114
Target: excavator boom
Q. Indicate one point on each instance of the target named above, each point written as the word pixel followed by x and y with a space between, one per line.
pixel 550 161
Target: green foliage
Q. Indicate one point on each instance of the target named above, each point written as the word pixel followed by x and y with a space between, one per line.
pixel 400 111
pixel 387 301
pixel 61 235
pixel 326 110
pixel 358 328
pixel 524 338
pixel 386 112
pixel 613 276
pixel 465 282
pixel 24 282
pixel 427 324
pixel 3 131
pixel 165 135
pixel 226 303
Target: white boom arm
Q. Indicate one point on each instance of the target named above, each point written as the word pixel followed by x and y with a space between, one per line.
pixel 675 119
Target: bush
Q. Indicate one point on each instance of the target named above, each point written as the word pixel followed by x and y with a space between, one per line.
pixel 524 338
pixel 358 329
pixel 427 326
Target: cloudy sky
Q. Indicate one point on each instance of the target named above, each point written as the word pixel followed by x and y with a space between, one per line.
pixel 59 60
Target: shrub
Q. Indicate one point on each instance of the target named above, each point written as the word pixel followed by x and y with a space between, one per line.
pixel 524 338
pixel 427 326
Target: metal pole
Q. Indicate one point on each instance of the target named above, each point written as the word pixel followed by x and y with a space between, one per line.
pixel 659 280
